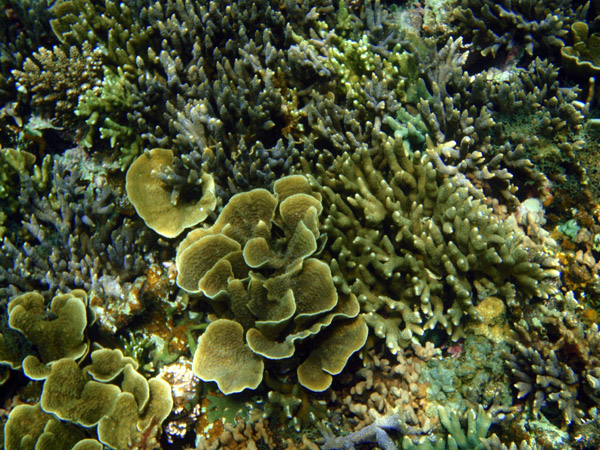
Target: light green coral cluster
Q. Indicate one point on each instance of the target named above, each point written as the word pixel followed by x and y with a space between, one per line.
pixel 105 110
pixel 474 437
pixel 356 62
pixel 416 247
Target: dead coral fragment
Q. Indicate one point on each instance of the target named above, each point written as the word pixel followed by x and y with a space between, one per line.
pixel 256 259
pixel 156 202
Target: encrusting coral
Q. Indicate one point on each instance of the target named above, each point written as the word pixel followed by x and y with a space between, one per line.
pixel 256 264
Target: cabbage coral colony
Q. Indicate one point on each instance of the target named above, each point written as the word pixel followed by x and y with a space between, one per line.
pixel 299 225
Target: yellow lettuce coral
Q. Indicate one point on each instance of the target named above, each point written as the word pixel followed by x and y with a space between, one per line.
pixel 258 259
pixel 155 201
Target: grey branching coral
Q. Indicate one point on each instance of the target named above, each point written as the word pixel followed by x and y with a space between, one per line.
pixel 415 246
pixel 70 234
pixel 256 264
pixel 555 365
pixel 509 27
pixel 508 131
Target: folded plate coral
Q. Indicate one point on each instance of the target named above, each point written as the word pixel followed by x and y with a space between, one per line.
pixel 157 203
pixel 256 264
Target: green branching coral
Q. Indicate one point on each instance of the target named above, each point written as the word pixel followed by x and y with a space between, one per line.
pixel 355 62
pixel 256 266
pixel 414 246
pixel 474 437
pixel 105 109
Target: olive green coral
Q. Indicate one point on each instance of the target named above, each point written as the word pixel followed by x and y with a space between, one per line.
pixel 583 57
pixel 155 201
pixel 29 427
pixel 124 410
pixel 223 356
pixel 258 260
pixel 108 394
pixel 56 332
pixel 414 245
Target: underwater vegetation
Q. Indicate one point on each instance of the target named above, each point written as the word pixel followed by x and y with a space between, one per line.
pixel 299 225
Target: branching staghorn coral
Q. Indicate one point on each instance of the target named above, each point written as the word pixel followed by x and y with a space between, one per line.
pixel 55 79
pixel 510 28
pixel 554 364
pixel 25 26
pixel 504 130
pixel 411 243
pixel 69 235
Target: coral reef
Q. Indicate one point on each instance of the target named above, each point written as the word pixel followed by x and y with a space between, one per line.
pixel 395 230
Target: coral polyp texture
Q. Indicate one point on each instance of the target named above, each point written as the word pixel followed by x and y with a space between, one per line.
pixel 256 265
pixel 256 224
